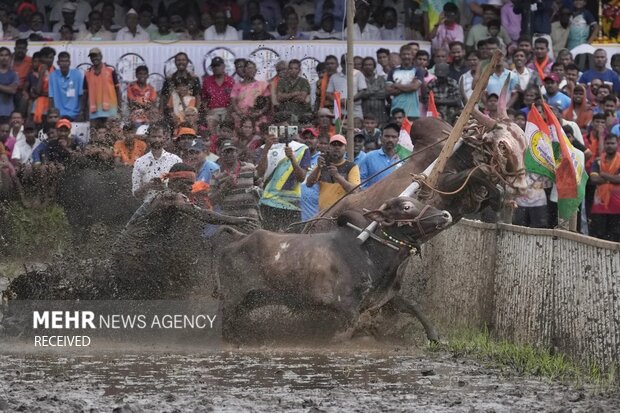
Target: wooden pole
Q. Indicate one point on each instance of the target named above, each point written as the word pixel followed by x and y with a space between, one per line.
pixel 451 144
pixel 350 84
pixel 456 132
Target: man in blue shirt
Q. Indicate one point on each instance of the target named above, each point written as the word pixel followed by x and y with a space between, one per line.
pixel 310 194
pixel 66 89
pixel 358 148
pixel 380 159
pixel 554 96
pixel 601 72
pixel 195 155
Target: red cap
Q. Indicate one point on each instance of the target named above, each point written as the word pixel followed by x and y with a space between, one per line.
pixel 63 122
pixel 338 138
pixel 313 131
pixel 553 77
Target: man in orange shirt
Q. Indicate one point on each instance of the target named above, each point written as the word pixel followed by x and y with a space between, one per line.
pixel 22 65
pixel 127 150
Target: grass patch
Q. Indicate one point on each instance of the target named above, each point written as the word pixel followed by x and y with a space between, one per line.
pixel 32 232
pixel 527 359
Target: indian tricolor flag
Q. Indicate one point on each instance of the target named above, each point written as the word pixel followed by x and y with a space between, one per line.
pixel 337 112
pixel 404 147
pixel 550 153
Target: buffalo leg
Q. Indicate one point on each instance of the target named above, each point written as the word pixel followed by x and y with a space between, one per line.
pixel 404 306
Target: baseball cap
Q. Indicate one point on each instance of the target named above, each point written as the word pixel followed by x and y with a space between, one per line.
pixel 359 136
pixel 197 145
pixel 553 77
pixel 69 7
pixel 63 123
pixel 186 131
pixel 131 11
pixel 142 130
pixel 338 138
pixel 226 145
pixel 94 50
pixel 216 61
pixel 313 131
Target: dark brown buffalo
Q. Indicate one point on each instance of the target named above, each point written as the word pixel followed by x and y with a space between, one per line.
pixel 97 195
pixel 326 270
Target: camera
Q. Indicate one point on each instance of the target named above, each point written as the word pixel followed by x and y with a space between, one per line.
pixel 285 134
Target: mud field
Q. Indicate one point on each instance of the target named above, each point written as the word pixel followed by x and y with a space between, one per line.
pixel 332 380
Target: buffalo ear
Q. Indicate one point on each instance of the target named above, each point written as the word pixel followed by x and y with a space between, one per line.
pixel 378 216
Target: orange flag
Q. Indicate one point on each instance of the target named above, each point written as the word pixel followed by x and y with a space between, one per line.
pixel 432 109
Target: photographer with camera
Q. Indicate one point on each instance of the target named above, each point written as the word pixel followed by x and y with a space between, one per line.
pixel 336 175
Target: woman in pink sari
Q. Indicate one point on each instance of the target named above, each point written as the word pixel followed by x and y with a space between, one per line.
pixel 245 93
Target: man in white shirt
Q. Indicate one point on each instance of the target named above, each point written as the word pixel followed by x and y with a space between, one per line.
pixel 148 169
pixel 220 30
pixel 82 8
pixel 69 10
pixel 95 31
pixel 338 83
pixel 132 32
pixel 22 152
pixel 362 30
pixel 391 30
pixel 527 77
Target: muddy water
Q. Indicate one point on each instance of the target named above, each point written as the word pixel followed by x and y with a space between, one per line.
pixel 269 381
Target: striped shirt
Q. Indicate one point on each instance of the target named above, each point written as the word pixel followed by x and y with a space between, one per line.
pixel 242 199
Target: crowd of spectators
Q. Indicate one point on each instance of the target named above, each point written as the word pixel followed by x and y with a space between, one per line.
pixel 270 148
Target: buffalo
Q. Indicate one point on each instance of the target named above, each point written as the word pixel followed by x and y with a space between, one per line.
pixel 327 270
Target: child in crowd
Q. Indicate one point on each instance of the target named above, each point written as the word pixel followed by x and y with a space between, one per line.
pixel 141 97
pixel 371 132
pixel 494 27
pixel 180 99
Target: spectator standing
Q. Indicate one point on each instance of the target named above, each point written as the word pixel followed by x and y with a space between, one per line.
pixel 327 30
pixel 536 17
pixel 22 65
pixel 338 83
pixel 532 207
pixel 466 81
pixel 293 91
pixel 373 98
pixel 22 152
pixel 601 72
pixel 359 141
pixel 331 67
pixel 553 95
pixel 458 66
pixel 511 21
pixel 446 30
pixel 579 110
pixel 527 77
pixel 583 26
pixel 9 82
pixel 244 95
pixel 128 149
pixel 132 32
pixel 103 89
pixel 17 126
pixel 446 91
pixel 200 158
pixel 403 83
pixel 217 89
pixel 362 30
pixel 258 31
pixel 6 140
pixel 232 188
pixel 140 95
pixel 378 160
pixel 8 31
pixel 220 30
pixel 81 8
pixel 69 10
pixel 392 29
pixel 309 202
pixel 480 31
pixel 95 32
pixel 542 62
pixel 606 207
pixel 180 61
pixel 336 175
pixel 282 166
pixel 560 30
pixel 148 169
pixel 66 89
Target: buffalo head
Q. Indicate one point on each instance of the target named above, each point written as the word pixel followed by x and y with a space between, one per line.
pixel 410 220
